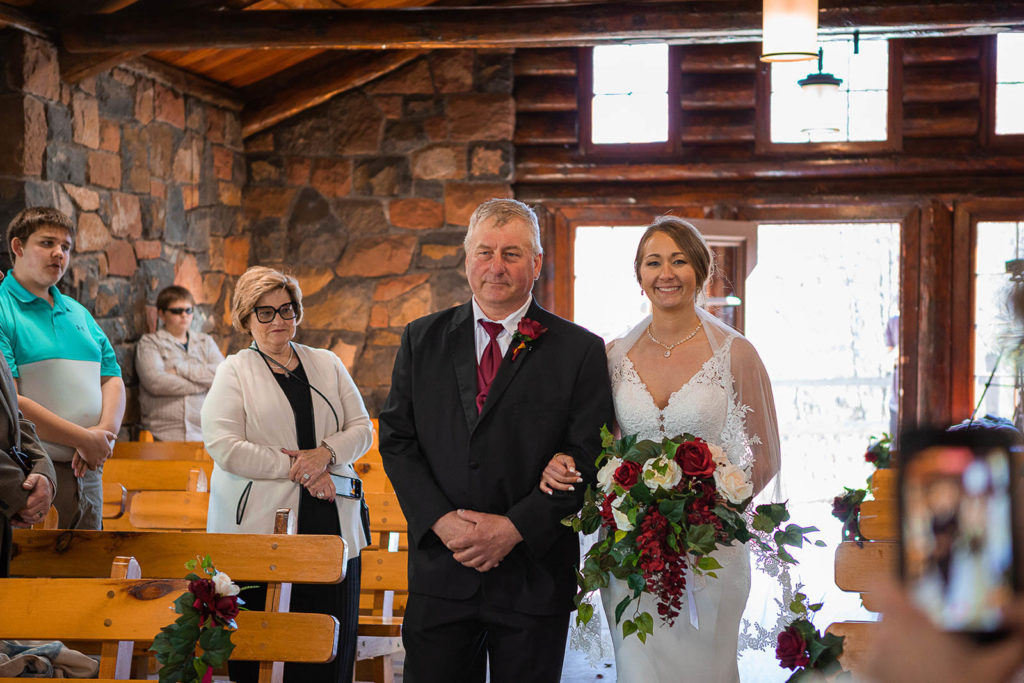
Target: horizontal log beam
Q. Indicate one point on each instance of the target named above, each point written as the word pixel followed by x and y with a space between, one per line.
pixel 349 72
pixel 546 94
pixel 548 165
pixel 488 27
pixel 545 128
pixel 559 61
pixel 13 18
pixel 194 85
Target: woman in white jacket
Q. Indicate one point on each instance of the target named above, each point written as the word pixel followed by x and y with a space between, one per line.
pixel 283 423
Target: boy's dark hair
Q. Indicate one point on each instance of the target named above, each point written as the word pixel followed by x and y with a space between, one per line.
pixel 33 219
pixel 168 295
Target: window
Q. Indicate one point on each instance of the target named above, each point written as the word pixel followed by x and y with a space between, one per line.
pixel 998 253
pixel 1009 84
pixel 867 112
pixel 629 99
pixel 630 94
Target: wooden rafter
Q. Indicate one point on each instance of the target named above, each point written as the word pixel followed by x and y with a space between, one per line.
pixel 483 27
pixel 14 18
pixel 319 85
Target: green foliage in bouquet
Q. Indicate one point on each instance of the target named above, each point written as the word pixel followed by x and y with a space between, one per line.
pixel 666 507
pixel 200 639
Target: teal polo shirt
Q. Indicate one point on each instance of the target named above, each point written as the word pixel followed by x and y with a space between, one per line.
pixel 58 353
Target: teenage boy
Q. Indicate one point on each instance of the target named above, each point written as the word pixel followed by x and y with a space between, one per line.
pixel 69 382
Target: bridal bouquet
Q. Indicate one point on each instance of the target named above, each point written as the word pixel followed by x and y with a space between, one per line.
pixel 666 507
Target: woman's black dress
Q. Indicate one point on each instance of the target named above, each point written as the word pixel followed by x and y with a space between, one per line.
pixel 340 600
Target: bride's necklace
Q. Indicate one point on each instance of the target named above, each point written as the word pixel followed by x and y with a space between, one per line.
pixel 668 347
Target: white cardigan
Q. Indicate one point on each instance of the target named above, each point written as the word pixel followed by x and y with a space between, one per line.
pixel 247 420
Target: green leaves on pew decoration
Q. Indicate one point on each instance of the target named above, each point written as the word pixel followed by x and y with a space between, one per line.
pixel 200 639
pixel 802 649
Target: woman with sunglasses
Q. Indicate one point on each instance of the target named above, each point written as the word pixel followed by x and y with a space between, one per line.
pixel 176 367
pixel 283 423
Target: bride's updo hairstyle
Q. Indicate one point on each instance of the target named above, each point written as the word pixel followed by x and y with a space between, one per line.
pixel 690 242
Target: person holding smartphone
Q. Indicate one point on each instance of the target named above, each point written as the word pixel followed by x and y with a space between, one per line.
pixel 283 423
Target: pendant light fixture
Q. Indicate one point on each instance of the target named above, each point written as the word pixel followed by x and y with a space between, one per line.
pixel 822 108
pixel 790 30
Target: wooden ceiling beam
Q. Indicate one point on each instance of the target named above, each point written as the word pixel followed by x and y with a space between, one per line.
pixel 317 86
pixel 14 18
pixel 535 26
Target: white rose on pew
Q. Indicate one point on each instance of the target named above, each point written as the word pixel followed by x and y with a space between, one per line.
pixel 223 585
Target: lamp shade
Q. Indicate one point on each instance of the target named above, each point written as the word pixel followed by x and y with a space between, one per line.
pixel 822 109
pixel 790 30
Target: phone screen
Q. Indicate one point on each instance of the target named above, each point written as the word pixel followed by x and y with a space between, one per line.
pixel 957 530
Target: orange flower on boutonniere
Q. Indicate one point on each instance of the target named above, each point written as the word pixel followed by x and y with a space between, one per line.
pixel 526 333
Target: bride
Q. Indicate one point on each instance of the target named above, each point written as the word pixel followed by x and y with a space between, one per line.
pixel 679 371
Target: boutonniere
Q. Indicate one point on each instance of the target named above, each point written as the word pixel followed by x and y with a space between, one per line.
pixel 527 332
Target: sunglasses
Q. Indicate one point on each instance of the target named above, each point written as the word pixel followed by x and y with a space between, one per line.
pixel 180 311
pixel 265 314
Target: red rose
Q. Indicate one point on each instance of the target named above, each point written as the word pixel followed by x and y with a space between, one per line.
pixel 531 328
pixel 792 650
pixel 607 518
pixel 222 608
pixel 871 457
pixel 627 474
pixel 695 459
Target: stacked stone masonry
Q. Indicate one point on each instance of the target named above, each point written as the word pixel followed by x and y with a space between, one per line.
pixel 152 176
pixel 366 200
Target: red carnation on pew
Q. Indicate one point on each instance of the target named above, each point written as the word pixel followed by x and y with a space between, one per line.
pixel 221 608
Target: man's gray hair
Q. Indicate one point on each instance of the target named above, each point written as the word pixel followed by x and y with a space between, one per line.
pixel 503 211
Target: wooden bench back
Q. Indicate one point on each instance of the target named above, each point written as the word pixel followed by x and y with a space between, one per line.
pixel 162 554
pixel 113 610
pixel 158 475
pixel 860 567
pixel 160 450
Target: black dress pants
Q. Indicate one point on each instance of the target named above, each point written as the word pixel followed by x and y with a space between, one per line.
pixel 453 640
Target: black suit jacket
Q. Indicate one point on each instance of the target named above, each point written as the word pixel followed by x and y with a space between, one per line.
pixel 442 456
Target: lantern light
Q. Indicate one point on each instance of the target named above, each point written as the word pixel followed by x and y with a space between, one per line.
pixel 822 102
pixel 790 32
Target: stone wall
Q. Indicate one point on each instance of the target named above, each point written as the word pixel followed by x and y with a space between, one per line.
pixel 366 198
pixel 151 174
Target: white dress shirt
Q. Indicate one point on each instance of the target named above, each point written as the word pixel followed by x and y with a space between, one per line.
pixel 511 324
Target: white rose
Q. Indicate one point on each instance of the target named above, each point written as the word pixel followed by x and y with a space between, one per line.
pixel 223 585
pixel 621 520
pixel 732 482
pixel 718 455
pixel 606 473
pixel 661 472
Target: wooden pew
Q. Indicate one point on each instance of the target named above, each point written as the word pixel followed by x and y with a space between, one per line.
pixel 160 450
pixel 113 610
pixel 380 631
pixel 160 494
pixel 278 559
pixel 860 567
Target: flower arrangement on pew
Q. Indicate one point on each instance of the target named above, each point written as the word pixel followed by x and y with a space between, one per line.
pixel 802 649
pixel 666 507
pixel 846 507
pixel 200 639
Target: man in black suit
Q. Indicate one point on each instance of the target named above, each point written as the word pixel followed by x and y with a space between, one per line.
pixel 482 396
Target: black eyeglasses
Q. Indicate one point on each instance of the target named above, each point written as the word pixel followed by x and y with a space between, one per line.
pixel 180 311
pixel 265 314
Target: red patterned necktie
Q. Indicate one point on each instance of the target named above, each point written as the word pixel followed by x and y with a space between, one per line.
pixel 487 368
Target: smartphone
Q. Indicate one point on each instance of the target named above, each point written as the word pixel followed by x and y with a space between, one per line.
pixel 959 529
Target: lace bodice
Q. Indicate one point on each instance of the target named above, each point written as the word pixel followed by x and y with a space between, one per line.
pixel 704 406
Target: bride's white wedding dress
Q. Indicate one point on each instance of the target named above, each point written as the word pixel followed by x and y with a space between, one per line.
pixel 702 643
